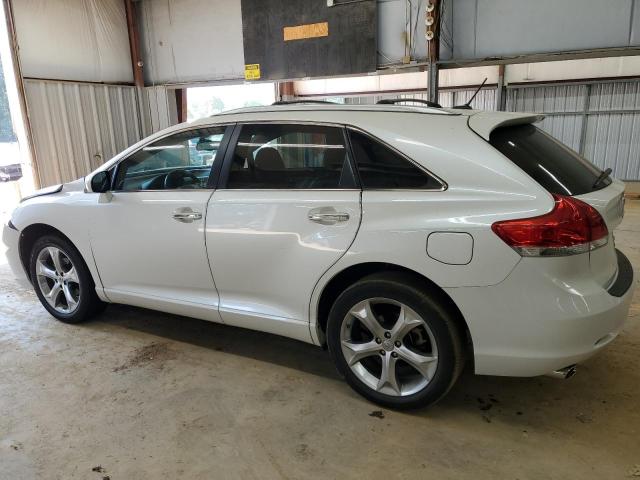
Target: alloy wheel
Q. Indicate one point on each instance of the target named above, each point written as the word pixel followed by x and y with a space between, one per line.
pixel 58 280
pixel 388 346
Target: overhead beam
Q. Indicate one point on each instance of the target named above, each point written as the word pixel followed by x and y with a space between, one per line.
pixel 541 57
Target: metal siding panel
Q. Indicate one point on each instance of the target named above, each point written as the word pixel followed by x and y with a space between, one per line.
pixel 496 28
pixel 611 139
pixel 78 126
pixel 191 40
pixel 565 128
pixel 485 100
pixel 159 108
pixel 73 39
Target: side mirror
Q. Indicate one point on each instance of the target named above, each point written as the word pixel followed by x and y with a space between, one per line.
pixel 101 182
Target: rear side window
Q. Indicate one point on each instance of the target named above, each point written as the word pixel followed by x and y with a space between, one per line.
pixel 288 156
pixel 382 168
pixel 553 165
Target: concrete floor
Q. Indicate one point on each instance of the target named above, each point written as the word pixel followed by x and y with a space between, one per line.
pixel 137 394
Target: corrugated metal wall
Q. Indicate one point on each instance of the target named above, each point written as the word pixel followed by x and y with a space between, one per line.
pixel 485 100
pixel 601 120
pixel 78 126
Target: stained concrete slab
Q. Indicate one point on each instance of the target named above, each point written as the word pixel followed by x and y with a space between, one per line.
pixel 137 394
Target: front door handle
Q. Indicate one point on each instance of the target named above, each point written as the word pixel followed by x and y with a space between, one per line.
pixel 186 215
pixel 327 216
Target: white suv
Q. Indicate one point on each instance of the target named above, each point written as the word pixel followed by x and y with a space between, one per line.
pixel 405 239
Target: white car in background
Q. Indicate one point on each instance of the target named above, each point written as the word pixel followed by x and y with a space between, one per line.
pixel 407 240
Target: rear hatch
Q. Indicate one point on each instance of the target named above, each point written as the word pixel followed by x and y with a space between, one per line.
pixel 561 171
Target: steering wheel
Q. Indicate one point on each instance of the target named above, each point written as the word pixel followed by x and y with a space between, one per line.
pixel 176 179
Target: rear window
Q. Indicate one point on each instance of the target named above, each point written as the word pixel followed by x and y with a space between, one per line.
pixel 553 165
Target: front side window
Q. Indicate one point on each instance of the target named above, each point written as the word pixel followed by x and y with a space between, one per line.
pixel 180 161
pixel 382 168
pixel 288 156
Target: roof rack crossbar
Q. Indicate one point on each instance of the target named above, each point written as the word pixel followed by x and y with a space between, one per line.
pixel 296 102
pixel 393 101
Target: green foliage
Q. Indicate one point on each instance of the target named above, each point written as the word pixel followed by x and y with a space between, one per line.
pixel 205 109
pixel 7 134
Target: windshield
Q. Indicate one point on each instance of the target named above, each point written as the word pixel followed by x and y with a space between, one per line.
pixel 553 165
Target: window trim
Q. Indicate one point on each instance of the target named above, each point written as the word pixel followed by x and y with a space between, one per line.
pixel 228 159
pixel 443 185
pixel 214 171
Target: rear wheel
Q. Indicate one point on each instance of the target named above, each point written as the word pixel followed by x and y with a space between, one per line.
pixel 395 343
pixel 62 280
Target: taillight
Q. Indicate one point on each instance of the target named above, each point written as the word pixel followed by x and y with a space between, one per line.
pixel 572 227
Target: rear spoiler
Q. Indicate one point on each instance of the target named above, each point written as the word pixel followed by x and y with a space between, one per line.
pixel 483 123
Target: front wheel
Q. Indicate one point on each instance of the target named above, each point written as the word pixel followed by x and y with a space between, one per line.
pixel 395 343
pixel 62 280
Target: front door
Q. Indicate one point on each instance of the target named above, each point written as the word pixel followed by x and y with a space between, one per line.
pixel 287 208
pixel 147 234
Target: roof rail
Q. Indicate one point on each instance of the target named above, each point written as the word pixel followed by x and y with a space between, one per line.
pixel 296 102
pixel 393 101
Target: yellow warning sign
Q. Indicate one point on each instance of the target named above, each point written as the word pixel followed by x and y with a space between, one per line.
pixel 311 30
pixel 252 71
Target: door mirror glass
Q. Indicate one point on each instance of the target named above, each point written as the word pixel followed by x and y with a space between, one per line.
pixel 101 182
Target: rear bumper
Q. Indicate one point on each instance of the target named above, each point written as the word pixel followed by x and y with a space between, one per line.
pixel 11 239
pixel 624 279
pixel 544 316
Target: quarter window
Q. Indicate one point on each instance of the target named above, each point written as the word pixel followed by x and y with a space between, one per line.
pixel 382 168
pixel 180 161
pixel 282 156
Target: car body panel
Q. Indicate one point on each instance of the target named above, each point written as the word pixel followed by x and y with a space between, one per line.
pixel 549 313
pixel 142 251
pixel 267 255
pixel 526 316
pixel 483 123
pixel 65 211
pixel 11 240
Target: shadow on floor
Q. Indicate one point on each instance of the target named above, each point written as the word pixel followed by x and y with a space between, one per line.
pixel 260 346
pixel 520 402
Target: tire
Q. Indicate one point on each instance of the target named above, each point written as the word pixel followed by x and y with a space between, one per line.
pixel 425 356
pixel 72 294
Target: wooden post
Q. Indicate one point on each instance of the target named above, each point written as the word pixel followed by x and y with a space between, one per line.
pixel 134 44
pixel 181 104
pixel 500 90
pixel 433 47
pixel 286 91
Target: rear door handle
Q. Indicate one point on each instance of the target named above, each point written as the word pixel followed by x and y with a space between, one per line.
pixel 186 215
pixel 327 216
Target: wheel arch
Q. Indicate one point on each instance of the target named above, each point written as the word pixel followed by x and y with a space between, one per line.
pixel 29 235
pixel 348 276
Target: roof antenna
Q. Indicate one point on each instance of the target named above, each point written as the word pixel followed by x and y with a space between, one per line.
pixel 467 106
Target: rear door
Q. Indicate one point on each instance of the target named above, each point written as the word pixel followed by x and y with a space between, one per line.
pixel 286 209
